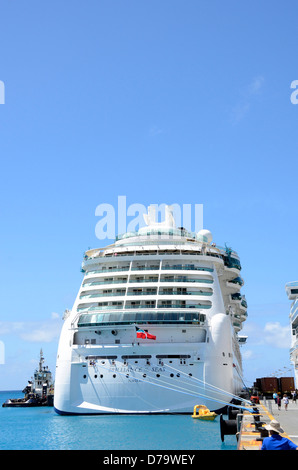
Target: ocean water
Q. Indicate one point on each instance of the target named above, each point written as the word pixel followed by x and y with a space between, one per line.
pixel 42 429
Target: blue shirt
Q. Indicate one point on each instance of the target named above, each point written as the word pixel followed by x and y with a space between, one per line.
pixel 277 442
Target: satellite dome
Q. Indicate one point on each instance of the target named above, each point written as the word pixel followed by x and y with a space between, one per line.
pixel 204 236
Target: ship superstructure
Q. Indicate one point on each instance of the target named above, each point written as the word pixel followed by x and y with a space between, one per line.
pixel 155 327
pixel 39 391
pixel 292 292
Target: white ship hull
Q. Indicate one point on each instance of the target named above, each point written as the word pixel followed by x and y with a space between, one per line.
pixel 183 292
pixel 141 377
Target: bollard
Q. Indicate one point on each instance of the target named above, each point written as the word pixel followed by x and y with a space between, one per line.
pixel 228 427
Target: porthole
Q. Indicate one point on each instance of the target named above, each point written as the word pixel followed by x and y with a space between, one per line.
pixel 95 376
pixel 114 375
pixel 144 375
pixel 84 376
pixel 157 375
pixel 101 376
pixel 171 375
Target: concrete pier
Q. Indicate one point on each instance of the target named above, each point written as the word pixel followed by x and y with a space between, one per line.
pixel 250 437
pixel 288 419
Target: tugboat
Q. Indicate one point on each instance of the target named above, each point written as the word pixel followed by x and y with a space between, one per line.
pixel 39 391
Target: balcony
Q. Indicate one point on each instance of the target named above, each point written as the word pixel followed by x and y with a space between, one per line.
pixel 185 279
pixel 143 279
pixel 236 296
pixel 186 267
pixel 108 270
pixel 173 304
pixel 105 282
pixel 142 292
pixel 184 292
pixel 232 263
pixel 149 304
pixel 102 294
pixel 237 280
pixel 145 268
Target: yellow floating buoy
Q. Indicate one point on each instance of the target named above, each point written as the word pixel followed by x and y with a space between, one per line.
pixel 203 413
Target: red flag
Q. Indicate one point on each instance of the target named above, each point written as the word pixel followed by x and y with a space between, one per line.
pixel 144 334
pixel 149 336
pixel 141 334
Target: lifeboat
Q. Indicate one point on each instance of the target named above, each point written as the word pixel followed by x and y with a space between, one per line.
pixel 202 412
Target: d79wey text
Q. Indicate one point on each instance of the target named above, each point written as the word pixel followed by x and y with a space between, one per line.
pixel 158 459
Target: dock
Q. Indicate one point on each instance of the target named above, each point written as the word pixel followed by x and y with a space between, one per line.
pixel 251 435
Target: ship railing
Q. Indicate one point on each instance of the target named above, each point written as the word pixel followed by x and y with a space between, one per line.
pixel 108 294
pixel 146 293
pixel 103 307
pixel 107 271
pixel 198 306
pixel 237 280
pixel 98 283
pixel 185 268
pixel 204 281
pixel 145 268
pixel 143 293
pixel 198 292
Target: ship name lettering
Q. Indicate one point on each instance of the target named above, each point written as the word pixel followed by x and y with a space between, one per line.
pixel 125 369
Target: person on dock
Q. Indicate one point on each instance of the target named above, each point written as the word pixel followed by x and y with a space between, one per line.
pixel 286 401
pixel 276 441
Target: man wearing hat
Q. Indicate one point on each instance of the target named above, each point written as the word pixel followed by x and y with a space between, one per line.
pixel 276 441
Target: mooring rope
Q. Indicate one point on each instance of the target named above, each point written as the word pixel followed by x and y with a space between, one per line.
pixel 181 389
pixel 212 387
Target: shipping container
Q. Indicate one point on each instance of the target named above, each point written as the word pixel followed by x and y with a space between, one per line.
pixel 286 384
pixel 269 384
pixel 257 384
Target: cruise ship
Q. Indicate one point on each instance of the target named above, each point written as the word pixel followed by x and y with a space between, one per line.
pixel 155 327
pixel 292 292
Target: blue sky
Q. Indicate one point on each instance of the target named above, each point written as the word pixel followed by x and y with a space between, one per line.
pixel 162 101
